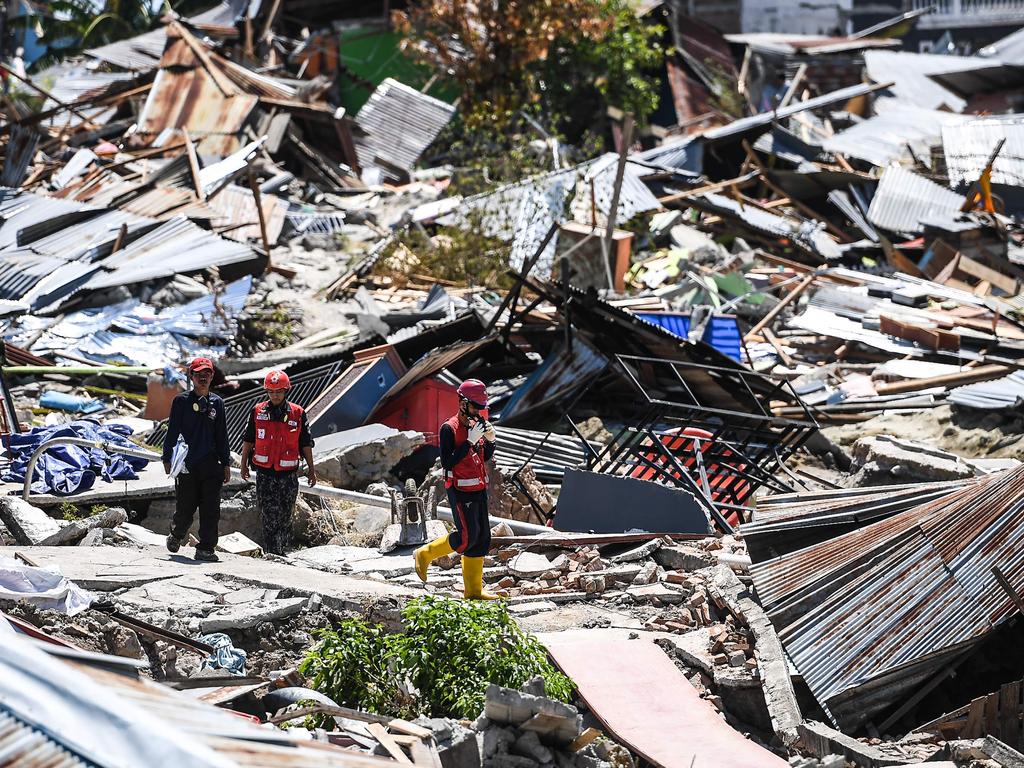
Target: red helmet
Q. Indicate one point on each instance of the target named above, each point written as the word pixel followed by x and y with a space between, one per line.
pixel 475 391
pixel 277 380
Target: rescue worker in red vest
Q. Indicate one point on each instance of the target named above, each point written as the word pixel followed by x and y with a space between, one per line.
pixel 467 441
pixel 275 437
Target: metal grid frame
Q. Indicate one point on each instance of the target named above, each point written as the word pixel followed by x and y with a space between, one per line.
pixel 745 450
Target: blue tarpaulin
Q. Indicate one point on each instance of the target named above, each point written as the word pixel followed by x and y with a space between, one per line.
pixel 65 470
pixel 73 403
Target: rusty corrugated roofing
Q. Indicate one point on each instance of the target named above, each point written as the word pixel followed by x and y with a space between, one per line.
pixel 191 99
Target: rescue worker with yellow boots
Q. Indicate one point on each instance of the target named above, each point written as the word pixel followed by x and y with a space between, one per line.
pixel 466 441
pixel 275 437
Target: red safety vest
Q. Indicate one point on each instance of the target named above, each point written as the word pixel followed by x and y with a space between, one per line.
pixel 277 442
pixel 470 474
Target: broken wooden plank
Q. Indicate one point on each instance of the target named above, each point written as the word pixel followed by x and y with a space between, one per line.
pixel 1009 714
pixel 403 726
pixel 380 733
pixel 785 302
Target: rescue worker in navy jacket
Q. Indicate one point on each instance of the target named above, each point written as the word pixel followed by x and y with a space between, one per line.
pixel 198 418
pixel 467 441
pixel 275 437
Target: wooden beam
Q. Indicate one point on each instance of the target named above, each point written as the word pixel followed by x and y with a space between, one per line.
pixel 806 210
pixel 739 181
pixel 193 165
pixel 379 732
pixel 786 301
pixel 982 373
pixel 259 212
pixel 219 78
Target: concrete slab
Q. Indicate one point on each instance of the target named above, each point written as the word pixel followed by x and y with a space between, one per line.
pixel 251 614
pixel 152 483
pixel 356 560
pixel 110 568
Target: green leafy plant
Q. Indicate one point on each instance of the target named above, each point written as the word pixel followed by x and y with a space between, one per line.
pixel 70 512
pixel 441 665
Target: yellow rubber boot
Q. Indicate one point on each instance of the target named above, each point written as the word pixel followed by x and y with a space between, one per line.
pixel 428 553
pixel 473 579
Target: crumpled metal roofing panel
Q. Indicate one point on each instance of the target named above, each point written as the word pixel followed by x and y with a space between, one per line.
pixel 911 71
pixel 176 246
pixel 1006 392
pixel 24 746
pixel 892 601
pixel 884 139
pixel 19 210
pixel 1008 50
pixel 967 147
pixel 400 123
pixel 191 99
pixel 810 236
pixel 903 199
pixel 634 195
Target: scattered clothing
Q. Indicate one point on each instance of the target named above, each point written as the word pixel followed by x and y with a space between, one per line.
pixel 275 499
pixel 199 489
pixel 225 656
pixel 65 470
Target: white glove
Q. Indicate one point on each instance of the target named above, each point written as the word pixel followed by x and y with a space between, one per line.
pixel 489 432
pixel 476 432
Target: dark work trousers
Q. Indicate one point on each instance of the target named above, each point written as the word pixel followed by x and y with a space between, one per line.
pixel 275 499
pixel 199 488
pixel 472 534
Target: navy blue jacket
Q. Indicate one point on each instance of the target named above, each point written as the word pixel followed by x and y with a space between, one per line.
pixel 202 424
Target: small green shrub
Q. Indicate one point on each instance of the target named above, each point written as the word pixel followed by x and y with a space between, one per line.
pixel 440 665
pixel 70 512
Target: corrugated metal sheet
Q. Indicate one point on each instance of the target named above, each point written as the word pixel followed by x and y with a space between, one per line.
pixel 21 148
pixel 1008 50
pixel 137 54
pixel 1007 392
pixel 23 746
pixel 810 236
pixel 892 602
pixel 400 123
pixel 910 72
pixel 599 175
pixel 721 332
pixel 884 139
pixel 175 247
pixel 558 378
pixel 522 212
pixel 142 53
pixel 191 99
pixel 686 155
pixel 903 199
pixel 967 147
pixel 235 205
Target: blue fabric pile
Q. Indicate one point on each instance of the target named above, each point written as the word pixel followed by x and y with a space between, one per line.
pixel 65 470
pixel 225 655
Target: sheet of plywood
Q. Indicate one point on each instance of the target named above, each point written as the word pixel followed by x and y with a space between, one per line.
pixel 643 700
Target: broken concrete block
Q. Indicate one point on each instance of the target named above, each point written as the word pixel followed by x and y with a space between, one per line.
pixel 528 745
pixel 527 565
pixel 535 686
pixel 649 592
pixel 497 739
pixel 356 457
pixel 456 745
pixel 93 538
pixel 371 519
pixel 557 722
pixel 593 584
pixel 683 558
pixel 76 530
pixel 249 615
pixel 506 499
pixel 239 544
pixel 737 659
pixel 124 642
pixel 27 524
pixel 648 573
pixel 645 550
pixel 884 458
